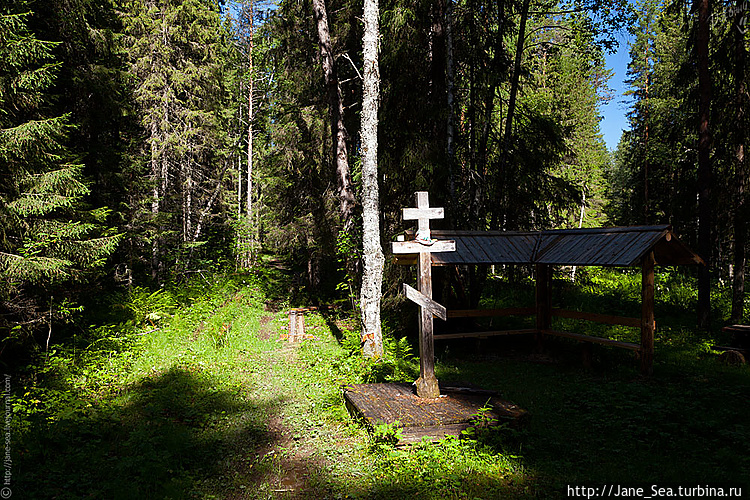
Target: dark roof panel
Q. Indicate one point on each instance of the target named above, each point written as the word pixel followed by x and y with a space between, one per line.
pixel 616 246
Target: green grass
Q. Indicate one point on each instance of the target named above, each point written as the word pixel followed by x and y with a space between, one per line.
pixel 192 395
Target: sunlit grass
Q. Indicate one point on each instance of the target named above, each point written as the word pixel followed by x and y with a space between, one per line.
pixel 206 401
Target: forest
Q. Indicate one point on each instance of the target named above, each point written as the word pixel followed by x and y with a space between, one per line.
pixel 176 174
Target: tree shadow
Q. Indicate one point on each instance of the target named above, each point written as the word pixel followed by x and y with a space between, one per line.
pixel 171 435
pixel 676 427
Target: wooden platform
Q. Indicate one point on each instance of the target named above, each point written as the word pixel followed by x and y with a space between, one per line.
pixel 449 414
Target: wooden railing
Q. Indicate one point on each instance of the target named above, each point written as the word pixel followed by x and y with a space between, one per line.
pixel 560 313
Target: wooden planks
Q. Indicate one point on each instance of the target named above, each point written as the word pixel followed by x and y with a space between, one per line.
pixel 559 313
pixel 598 318
pixel 482 335
pixel 432 307
pixel 422 213
pixel 617 246
pixel 486 313
pixel 296 325
pixel 556 333
pixel 449 414
pixel 414 247
pixel 595 340
pixel 740 335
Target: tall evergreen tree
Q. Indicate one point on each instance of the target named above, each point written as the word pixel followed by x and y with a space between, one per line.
pixel 705 170
pixel 178 62
pixel 739 35
pixel 49 237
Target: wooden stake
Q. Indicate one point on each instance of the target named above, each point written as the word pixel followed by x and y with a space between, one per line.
pixel 300 325
pixel 292 325
pixel 427 384
pixel 647 314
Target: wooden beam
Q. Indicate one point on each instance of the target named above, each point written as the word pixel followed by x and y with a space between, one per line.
pixel 300 325
pixel 647 314
pixel 413 247
pixel 292 325
pixel 423 213
pixel 427 384
pixel 433 307
pixel 482 335
pixel 599 318
pixel 595 340
pixel 484 313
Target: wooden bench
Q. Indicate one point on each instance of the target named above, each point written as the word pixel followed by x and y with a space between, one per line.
pixel 740 340
pixel 740 335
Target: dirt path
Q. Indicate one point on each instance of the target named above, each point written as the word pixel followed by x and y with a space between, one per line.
pixel 295 437
pixel 291 445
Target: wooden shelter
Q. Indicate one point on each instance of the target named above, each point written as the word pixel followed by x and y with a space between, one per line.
pixel 644 246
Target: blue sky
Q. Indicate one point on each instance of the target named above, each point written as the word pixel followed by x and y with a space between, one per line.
pixel 614 120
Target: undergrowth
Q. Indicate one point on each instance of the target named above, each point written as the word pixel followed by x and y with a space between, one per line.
pixel 189 392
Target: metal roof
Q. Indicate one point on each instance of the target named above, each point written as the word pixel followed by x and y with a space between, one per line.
pixel 614 246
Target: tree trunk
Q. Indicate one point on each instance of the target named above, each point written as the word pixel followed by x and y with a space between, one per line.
pixel 704 163
pixel 249 182
pixel 645 144
pixel 155 200
pixel 336 111
pixel 373 255
pixel 489 104
pixel 740 169
pixel 248 234
pixel 207 209
pixel 514 82
pixel 451 118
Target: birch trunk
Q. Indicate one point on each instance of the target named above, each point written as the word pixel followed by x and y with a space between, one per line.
pixel 372 280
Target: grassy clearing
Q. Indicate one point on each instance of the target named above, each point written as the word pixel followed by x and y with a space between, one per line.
pixel 194 396
pixel 209 404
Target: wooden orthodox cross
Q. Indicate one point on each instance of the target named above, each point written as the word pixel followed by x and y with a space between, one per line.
pixel 427 384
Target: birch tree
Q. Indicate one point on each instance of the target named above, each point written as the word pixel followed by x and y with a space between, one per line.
pixel 372 337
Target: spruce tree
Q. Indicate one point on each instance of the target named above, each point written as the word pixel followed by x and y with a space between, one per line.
pixel 178 60
pixel 48 236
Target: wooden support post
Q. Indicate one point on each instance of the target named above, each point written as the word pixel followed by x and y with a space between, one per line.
pixel 427 384
pixel 300 334
pixel 543 302
pixel 647 314
pixel 292 325
pixel 296 325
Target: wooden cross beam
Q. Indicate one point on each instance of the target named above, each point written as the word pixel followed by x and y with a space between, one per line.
pixel 427 384
pixel 432 307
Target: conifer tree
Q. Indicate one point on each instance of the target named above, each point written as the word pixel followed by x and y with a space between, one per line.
pixel 178 61
pixel 48 237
